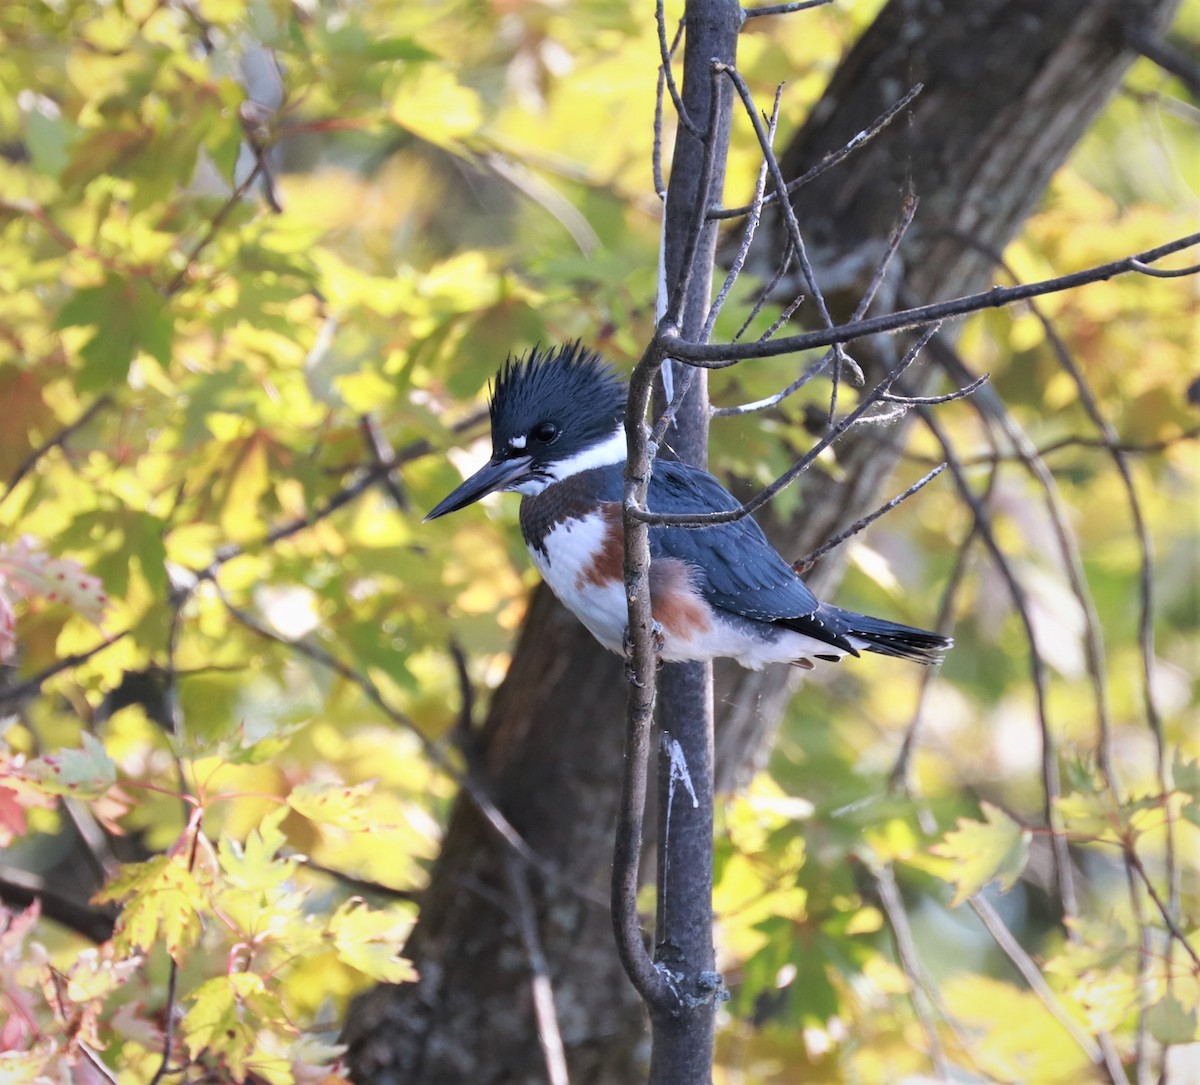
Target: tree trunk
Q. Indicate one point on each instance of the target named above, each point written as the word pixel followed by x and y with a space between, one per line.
pixel 1010 86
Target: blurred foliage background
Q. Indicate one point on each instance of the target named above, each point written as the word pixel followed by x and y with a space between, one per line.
pixel 198 389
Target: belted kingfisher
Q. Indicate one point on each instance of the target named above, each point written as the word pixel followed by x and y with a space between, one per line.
pixel 558 438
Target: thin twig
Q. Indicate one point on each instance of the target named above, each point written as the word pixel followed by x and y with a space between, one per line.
pixel 363 886
pixel 367 476
pixel 908 212
pixel 1025 964
pixel 59 440
pixel 214 227
pixel 900 779
pixel 1050 776
pixel 660 185
pixel 1174 61
pixel 789 213
pixel 1164 910
pixel 674 312
pixel 910 961
pixel 384 457
pixel 783 9
pixel 723 355
pixel 664 54
pixel 748 231
pixel 700 519
pixel 472 787
pixel 1165 273
pixel 524 916
pixel 949 397
pixel 802 564
pixel 765 293
pixel 14 694
pixel 830 160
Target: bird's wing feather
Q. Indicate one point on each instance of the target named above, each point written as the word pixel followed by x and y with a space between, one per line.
pixel 737 569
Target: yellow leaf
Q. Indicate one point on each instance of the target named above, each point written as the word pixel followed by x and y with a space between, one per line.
pixel 997 848
pixel 369 940
pixel 163 904
pixel 436 107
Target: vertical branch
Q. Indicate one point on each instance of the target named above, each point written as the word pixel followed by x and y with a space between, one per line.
pixel 680 986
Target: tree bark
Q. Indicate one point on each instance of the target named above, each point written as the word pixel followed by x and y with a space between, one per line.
pixel 1010 86
pixel 682 1038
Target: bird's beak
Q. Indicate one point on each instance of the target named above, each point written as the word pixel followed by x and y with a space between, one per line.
pixel 493 475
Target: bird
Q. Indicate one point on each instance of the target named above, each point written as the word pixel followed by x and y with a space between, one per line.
pixel 558 439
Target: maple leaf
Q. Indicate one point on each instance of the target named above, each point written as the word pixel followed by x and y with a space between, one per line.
pixel 29 571
pixel 84 773
pixel 367 939
pixel 340 805
pixel 163 902
pixel 994 849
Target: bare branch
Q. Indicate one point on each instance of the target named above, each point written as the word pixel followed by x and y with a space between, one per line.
pixel 1164 273
pixel 214 227
pixel 1025 964
pixel 674 311
pixel 525 917
pixel 789 214
pixel 354 883
pixel 803 564
pixel 783 9
pixel 830 160
pixel 20 888
pixel 700 519
pixel 383 458
pixel 472 787
pixel 1165 55
pixel 1164 909
pixel 14 694
pixel 722 355
pixel 910 961
pixel 664 55
pixel 949 397
pixel 366 478
pixel 739 259
pixel 1050 776
pixel 59 440
pixel 908 211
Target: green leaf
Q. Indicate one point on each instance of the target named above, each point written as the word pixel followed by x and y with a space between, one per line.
pixel 997 848
pixel 86 773
pixel 226 1017
pixel 130 317
pixel 254 866
pixel 1171 1023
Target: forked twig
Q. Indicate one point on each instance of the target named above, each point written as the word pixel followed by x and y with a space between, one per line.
pixel 700 519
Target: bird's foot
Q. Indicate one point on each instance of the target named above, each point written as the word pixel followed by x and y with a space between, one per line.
pixel 658 641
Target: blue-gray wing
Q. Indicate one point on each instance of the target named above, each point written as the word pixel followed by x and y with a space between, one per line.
pixel 737 569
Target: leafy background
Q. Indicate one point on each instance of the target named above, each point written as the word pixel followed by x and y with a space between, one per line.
pixel 256 725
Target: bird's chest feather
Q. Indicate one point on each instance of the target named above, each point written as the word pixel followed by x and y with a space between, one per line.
pixel 580 557
pixel 577 544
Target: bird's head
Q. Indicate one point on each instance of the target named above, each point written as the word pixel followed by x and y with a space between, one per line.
pixel 554 413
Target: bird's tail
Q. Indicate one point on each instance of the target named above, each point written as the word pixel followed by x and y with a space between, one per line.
pixel 894 639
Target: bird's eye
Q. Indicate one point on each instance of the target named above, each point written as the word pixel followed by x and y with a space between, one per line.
pixel 544 432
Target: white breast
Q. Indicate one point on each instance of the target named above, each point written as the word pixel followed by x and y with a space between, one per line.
pixel 566 564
